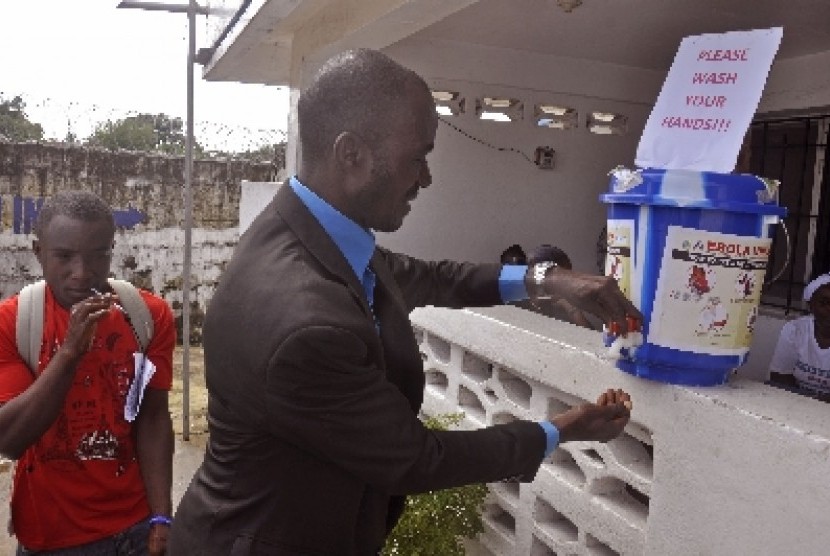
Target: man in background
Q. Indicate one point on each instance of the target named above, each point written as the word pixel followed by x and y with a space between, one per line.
pixel 514 255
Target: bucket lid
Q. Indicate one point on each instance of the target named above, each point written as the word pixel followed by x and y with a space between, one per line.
pixel 693 189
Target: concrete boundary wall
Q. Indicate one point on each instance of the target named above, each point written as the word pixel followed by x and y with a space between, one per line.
pixel 733 469
pixel 146 192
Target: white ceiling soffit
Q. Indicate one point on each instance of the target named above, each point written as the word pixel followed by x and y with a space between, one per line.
pixel 256 44
pixel 636 33
pixel 259 47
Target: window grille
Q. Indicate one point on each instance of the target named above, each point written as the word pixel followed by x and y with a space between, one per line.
pixel 794 151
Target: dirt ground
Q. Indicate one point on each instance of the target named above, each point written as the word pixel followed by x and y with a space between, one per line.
pixel 198 394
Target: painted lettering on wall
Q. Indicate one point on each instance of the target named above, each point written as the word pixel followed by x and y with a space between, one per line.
pixel 128 218
pixel 19 213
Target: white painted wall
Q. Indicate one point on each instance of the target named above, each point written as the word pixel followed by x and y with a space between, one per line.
pixel 737 469
pixel 254 196
pixel 489 199
pixel 798 84
pixel 483 200
pixel 161 251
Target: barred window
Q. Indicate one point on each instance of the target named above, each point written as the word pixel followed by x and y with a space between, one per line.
pixel 794 151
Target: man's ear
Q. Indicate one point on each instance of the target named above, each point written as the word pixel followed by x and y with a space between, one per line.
pixel 350 151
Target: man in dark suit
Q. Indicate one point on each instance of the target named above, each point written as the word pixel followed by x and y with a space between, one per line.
pixel 314 374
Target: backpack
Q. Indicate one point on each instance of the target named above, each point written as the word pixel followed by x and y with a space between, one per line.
pixel 30 318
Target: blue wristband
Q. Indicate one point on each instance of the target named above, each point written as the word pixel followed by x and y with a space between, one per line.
pixel 161 520
pixel 551 436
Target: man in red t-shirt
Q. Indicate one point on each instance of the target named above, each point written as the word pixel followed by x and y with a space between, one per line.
pixel 90 476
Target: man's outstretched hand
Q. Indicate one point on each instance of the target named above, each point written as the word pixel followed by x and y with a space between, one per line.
pixel 601 421
pixel 598 295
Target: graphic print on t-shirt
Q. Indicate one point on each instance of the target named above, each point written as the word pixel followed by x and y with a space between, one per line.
pixel 92 427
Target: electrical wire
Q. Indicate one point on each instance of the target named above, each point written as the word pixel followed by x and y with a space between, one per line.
pixel 485 143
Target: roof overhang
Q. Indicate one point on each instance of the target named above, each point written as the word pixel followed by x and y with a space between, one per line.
pixel 268 36
pixel 273 38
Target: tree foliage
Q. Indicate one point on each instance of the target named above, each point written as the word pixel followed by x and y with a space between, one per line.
pixel 151 133
pixel 14 124
pixel 267 152
pixel 143 132
pixel 437 522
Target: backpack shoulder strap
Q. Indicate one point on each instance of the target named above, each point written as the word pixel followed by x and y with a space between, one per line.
pixel 29 326
pixel 137 309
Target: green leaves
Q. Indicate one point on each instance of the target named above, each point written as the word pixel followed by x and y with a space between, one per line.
pixel 144 133
pixel 14 124
pixel 435 523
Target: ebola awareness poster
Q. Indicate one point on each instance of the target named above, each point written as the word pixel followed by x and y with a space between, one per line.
pixel 619 240
pixel 708 100
pixel 708 291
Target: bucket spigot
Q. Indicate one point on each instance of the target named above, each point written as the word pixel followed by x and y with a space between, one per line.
pixel 623 346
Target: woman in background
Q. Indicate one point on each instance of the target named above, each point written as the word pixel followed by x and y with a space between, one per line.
pixel 802 357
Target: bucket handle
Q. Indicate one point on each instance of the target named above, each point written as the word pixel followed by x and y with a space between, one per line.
pixel 787 259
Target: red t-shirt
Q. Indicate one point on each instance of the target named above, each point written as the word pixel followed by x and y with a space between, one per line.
pixel 80 482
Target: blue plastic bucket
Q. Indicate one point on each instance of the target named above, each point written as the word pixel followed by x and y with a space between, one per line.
pixel 690 250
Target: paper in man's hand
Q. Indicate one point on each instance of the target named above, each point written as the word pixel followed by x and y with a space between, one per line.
pixel 144 370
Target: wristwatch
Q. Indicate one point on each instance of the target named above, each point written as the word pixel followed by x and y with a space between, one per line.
pixel 540 270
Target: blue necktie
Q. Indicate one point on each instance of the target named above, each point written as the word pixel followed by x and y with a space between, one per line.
pixel 369 286
pixel 368 283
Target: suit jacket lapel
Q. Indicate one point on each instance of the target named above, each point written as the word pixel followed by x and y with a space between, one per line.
pixel 404 366
pixel 399 355
pixel 386 281
pixel 317 241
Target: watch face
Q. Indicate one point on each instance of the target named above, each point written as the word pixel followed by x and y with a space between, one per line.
pixel 540 270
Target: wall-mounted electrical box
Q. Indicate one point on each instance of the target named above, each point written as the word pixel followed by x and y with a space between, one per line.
pixel 544 158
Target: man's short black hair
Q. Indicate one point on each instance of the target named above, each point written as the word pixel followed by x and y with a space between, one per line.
pixel 78 205
pixel 356 91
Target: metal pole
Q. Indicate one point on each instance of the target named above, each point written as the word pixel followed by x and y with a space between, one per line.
pixel 188 222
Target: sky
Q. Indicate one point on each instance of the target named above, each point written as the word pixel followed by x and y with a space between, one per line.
pixel 79 62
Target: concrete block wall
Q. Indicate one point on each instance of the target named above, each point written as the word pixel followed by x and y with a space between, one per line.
pixel 146 192
pixel 732 469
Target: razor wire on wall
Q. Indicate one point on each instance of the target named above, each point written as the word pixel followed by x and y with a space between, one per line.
pixel 76 121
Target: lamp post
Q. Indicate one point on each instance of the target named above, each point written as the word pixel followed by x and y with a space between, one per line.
pixel 191 9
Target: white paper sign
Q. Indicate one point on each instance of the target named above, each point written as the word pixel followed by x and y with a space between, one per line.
pixel 708 100
pixel 144 371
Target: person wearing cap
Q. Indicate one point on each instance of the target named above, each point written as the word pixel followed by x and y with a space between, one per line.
pixel 802 355
pixel 514 255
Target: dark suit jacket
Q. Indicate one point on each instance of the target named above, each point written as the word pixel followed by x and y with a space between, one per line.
pixel 314 435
